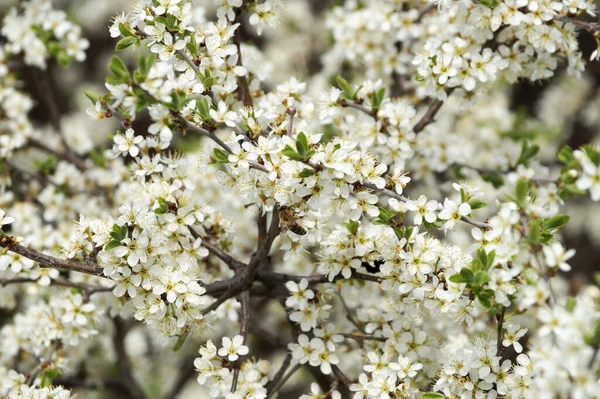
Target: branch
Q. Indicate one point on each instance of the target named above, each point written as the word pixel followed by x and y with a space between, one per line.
pixel 245 320
pixel 279 375
pixel 64 155
pixel 500 319
pixel 88 289
pixel 228 259
pixel 401 198
pixel 245 89
pixel 430 114
pixel 270 276
pixel 129 381
pixel 349 313
pixel 282 381
pixel 10 243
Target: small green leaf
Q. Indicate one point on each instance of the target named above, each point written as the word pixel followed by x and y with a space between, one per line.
pixel 467 274
pixel 180 341
pixel 46 165
pixel 125 42
pixel 457 278
pixel 125 31
pixel 555 222
pixel 112 244
pixel 570 305
pixel 565 155
pixel 352 226
pixel 481 277
pixel 477 265
pixel 432 395
pixel 476 203
pixel 348 91
pixel 377 98
pixel 306 173
pixel 220 156
pixel 522 191
pixel 118 67
pixel 302 144
pixel 489 3
pixel 94 98
pixel 527 153
pixel 495 179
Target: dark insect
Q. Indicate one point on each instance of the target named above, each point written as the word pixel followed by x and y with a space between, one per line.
pixel 375 267
pixel 288 220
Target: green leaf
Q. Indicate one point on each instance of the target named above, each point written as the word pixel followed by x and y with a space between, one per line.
pixel 92 95
pixel 306 173
pixel 352 226
pixel 527 153
pixel 457 278
pixel 432 395
pixel 220 156
pixel 125 31
pixel 570 305
pixel 555 222
pixel 522 190
pixel 565 155
pixel 477 265
pixel 163 207
pixel 48 375
pixel 180 341
pixel 46 165
pixel 594 338
pixel 125 42
pixel 467 274
pixel 291 154
pixel 118 67
pixel 485 297
pixel 491 257
pixel 489 3
pixel 112 244
pixel 192 45
pixel 377 98
pixel 203 108
pixel 302 144
pixel 348 91
pixel 481 277
pixel 495 179
pixel 476 203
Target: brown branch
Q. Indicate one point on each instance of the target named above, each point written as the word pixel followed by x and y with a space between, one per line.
pixel 244 322
pixel 64 155
pixel 349 313
pixel 282 381
pixel 430 114
pixel 279 375
pixel 243 80
pixel 215 250
pixel 88 289
pixel 500 334
pixel 125 368
pixel 10 243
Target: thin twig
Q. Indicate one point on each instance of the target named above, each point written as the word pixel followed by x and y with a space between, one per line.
pixel 282 381
pixel 244 322
pixel 500 319
pixel 350 313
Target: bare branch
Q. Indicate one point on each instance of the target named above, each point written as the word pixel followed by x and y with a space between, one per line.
pixel 10 243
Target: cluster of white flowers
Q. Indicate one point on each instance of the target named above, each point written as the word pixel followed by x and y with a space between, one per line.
pixel 363 204
pixel 214 370
pixel 38 31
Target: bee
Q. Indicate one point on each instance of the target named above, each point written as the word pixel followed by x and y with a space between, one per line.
pixel 289 220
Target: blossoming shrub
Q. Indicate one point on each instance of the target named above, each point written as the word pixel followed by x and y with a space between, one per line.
pixel 383 225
